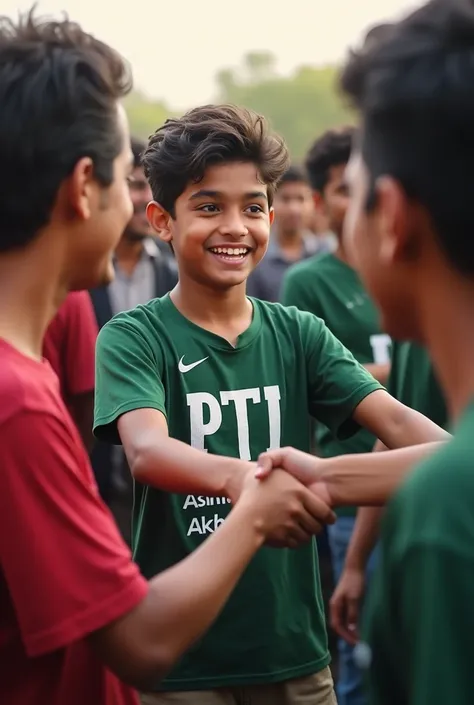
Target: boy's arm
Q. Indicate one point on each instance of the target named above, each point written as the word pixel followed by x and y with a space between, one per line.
pixel 160 461
pixel 87 585
pixel 130 407
pixel 395 424
pixel 349 592
pixel 361 480
pixel 365 479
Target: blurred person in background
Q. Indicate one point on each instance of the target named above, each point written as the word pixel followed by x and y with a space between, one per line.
pixel 69 347
pixel 329 287
pixel 144 270
pixel 318 224
pixel 290 239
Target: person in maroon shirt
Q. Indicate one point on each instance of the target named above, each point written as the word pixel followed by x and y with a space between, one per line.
pixel 77 620
pixel 69 347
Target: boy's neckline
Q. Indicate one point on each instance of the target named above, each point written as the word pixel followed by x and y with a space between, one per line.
pixel 213 339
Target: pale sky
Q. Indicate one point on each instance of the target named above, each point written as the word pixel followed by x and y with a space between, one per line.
pixel 177 46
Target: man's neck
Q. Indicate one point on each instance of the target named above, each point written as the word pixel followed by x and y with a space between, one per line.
pixel 448 329
pixel 128 253
pixel 340 252
pixel 29 298
pixel 291 243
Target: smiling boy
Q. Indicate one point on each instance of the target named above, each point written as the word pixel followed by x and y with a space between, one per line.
pixel 198 383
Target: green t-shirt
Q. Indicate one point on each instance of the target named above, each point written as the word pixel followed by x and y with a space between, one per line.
pixel 412 381
pixel 329 288
pixel 233 401
pixel 420 620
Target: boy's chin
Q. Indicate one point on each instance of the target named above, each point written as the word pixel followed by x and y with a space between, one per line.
pixel 229 281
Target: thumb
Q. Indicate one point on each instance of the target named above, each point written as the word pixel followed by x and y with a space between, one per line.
pixel 267 462
pixel 352 616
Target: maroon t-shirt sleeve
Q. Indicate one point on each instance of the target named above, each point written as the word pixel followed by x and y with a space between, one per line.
pixel 79 344
pixel 67 569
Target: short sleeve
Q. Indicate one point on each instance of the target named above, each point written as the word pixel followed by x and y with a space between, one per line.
pixel 128 377
pixel 337 382
pixel 80 339
pixel 67 570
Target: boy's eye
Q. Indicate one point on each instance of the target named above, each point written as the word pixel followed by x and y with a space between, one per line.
pixel 254 208
pixel 208 208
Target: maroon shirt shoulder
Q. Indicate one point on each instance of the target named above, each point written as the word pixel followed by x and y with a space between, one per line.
pixel 64 570
pixel 69 344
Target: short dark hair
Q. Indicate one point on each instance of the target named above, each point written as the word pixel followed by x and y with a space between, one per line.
pixel 138 150
pixel 58 94
pixel 413 83
pixel 295 174
pixel 180 152
pixel 332 149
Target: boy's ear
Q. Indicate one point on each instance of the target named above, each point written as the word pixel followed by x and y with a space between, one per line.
pixel 160 221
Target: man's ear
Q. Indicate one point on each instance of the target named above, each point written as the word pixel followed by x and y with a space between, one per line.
pixel 319 203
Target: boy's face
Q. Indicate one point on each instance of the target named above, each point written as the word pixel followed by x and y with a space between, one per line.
pixel 221 227
pixel 379 244
pixel 334 200
pixel 293 206
pixel 103 214
pixel 140 192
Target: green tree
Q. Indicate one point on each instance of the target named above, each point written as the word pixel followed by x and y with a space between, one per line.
pixel 299 107
pixel 145 115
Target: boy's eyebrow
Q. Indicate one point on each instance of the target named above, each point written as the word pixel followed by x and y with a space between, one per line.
pixel 207 193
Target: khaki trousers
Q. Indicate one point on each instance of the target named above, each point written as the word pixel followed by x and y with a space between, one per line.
pixel 317 689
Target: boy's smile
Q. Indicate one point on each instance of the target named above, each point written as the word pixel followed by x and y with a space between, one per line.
pixel 221 226
pixel 230 254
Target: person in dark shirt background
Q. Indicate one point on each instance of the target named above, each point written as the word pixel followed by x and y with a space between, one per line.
pixel 291 240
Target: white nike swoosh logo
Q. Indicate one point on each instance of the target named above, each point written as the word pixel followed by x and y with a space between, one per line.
pixel 185 368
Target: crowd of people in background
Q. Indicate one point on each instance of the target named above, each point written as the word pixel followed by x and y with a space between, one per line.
pixel 211 355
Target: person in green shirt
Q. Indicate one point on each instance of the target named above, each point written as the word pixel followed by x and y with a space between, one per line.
pixel 410 225
pixel 329 287
pixel 413 382
pixel 197 384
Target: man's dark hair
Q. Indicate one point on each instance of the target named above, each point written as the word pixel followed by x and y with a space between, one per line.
pixel 332 149
pixel 58 95
pixel 138 149
pixel 413 83
pixel 180 152
pixel 295 174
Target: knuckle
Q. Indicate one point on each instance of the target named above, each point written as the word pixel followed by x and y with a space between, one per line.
pixel 294 508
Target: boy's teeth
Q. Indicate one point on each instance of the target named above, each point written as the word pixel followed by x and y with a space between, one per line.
pixel 235 251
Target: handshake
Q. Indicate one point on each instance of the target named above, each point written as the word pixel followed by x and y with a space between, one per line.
pixel 285 496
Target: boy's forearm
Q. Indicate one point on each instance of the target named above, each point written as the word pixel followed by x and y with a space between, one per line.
pixel 370 479
pixel 364 537
pixel 173 466
pixel 366 530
